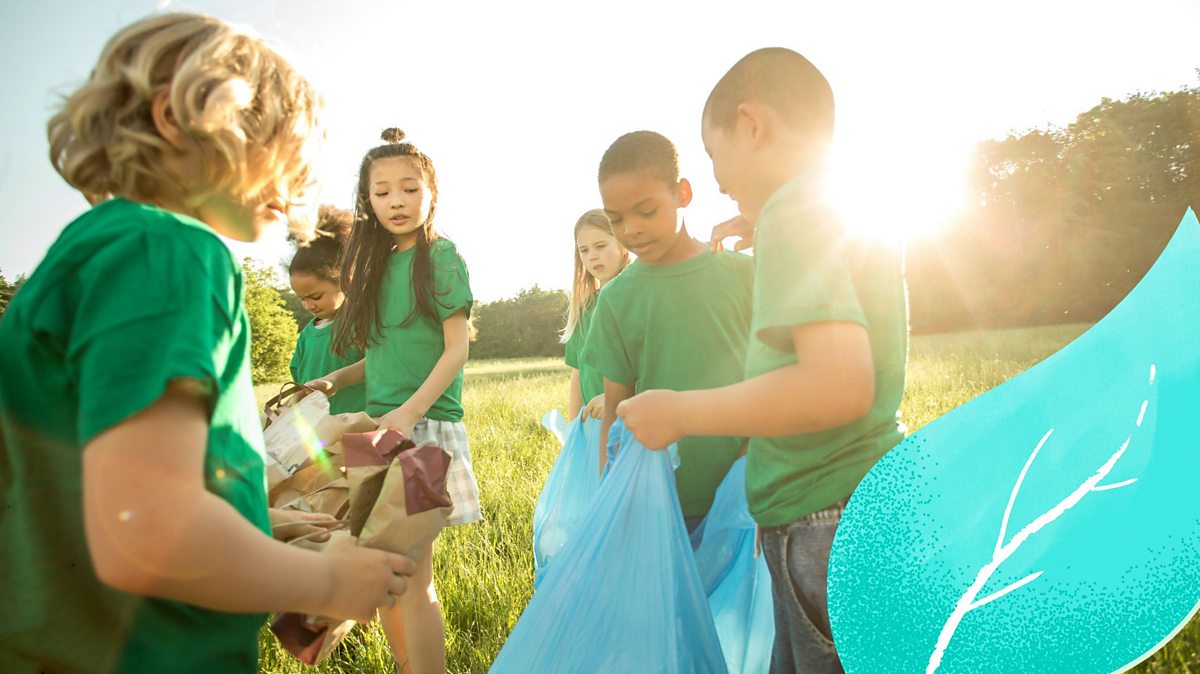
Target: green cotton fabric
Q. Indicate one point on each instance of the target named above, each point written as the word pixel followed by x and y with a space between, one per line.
pixel 401 356
pixel 314 358
pixel 127 299
pixel 806 270
pixel 591 382
pixel 682 327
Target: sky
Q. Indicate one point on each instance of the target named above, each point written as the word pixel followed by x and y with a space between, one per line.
pixel 517 101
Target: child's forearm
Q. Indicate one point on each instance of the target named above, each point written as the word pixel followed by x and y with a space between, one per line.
pixel 246 572
pixel 831 384
pixel 575 397
pixel 787 401
pixel 153 528
pixel 350 375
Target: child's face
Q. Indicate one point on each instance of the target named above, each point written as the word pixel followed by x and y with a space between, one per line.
pixel 321 297
pixel 400 198
pixel 644 212
pixel 729 158
pixel 599 252
pixel 238 220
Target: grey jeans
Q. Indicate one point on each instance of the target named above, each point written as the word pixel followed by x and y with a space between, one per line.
pixel 798 558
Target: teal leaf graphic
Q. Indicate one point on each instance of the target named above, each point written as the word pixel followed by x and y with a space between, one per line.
pixel 1049 525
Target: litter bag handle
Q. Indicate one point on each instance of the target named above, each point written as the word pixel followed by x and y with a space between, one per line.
pixel 286 390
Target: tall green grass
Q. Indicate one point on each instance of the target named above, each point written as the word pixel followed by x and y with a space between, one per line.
pixel 484 572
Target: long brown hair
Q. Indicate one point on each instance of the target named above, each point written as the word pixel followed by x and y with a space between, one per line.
pixel 586 287
pixel 365 262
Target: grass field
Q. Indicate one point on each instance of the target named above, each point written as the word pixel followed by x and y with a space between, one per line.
pixel 485 572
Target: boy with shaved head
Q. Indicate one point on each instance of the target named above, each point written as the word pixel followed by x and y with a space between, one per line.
pixel 825 367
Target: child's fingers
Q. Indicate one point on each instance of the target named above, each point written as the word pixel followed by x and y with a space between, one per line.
pixel 401 565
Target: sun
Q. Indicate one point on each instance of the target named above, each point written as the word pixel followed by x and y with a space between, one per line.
pixel 892 192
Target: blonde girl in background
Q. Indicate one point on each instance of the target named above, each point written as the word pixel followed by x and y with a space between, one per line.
pixel 408 306
pixel 599 257
pixel 135 526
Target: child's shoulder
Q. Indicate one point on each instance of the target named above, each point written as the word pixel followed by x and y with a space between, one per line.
pixel 120 238
pixel 734 260
pixel 443 247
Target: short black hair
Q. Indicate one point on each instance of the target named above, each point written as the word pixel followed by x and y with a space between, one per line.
pixel 641 151
pixel 781 79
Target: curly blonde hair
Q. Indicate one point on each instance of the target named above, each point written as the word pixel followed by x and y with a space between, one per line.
pixel 249 122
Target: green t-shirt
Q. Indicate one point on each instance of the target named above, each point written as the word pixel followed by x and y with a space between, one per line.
pixel 806 270
pixel 314 358
pixel 682 327
pixel 401 358
pixel 127 299
pixel 591 382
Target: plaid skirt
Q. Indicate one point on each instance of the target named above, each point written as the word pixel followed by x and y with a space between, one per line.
pixel 460 478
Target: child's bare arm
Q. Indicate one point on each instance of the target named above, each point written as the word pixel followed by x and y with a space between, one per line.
pixel 831 384
pixel 456 339
pixel 153 529
pixel 614 394
pixel 337 380
pixel 575 400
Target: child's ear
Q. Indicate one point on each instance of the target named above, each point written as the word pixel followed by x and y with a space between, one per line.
pixel 164 119
pixel 751 120
pixel 683 192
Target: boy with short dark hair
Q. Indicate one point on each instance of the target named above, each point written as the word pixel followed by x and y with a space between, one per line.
pixel 676 318
pixel 825 368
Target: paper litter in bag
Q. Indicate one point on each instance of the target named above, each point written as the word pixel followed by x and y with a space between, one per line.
pixel 397 502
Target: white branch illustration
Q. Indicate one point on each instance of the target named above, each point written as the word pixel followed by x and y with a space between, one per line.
pixel 968 602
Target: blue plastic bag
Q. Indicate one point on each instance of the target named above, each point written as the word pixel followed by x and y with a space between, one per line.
pixel 625 597
pixel 738 586
pixel 569 488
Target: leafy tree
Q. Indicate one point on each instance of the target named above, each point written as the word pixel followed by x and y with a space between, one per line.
pixel 7 290
pixel 272 328
pixel 1064 221
pixel 525 326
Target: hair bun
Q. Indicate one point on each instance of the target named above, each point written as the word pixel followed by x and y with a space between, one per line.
pixel 393 135
pixel 334 222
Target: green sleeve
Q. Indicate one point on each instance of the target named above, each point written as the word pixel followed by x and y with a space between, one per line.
pixel 155 307
pixel 452 283
pixel 571 357
pixel 801 277
pixel 575 343
pixel 605 350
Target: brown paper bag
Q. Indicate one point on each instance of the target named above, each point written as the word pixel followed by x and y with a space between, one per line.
pixel 332 499
pixel 325 462
pixel 413 503
pixel 398 496
pixel 311 638
pixel 305 637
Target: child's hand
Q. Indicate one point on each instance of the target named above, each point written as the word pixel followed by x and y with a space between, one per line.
pixel 289 524
pixel 595 407
pixel 400 419
pixel 738 226
pixel 653 417
pixel 327 386
pixel 362 579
